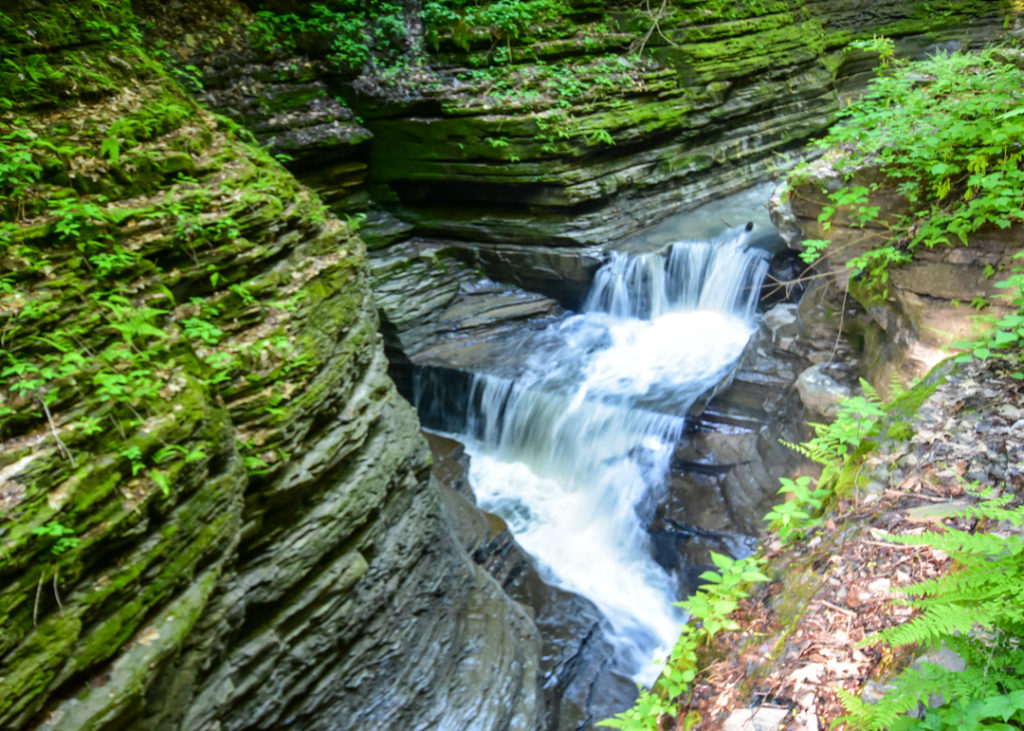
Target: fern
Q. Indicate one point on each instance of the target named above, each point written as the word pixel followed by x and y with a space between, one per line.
pixel 976 612
pixel 709 609
pixel 832 446
pixel 856 420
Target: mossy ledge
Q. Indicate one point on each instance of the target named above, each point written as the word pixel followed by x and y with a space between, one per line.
pixel 217 511
pixel 562 136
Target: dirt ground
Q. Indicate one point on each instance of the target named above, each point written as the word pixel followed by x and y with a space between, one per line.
pixel 802 633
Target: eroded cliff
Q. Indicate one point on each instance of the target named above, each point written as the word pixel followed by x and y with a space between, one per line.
pixel 552 130
pixel 218 511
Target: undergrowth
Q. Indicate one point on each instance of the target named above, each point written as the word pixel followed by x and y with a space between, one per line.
pixel 124 274
pixel 708 609
pixel 976 612
pixel 945 133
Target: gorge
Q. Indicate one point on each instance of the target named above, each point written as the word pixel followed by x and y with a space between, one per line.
pixel 224 244
pixel 568 446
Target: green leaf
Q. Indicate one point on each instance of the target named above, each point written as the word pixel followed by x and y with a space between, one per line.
pixel 110 148
pixel 161 480
pixel 1000 706
pixel 721 561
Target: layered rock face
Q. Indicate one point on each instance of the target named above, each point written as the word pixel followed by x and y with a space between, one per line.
pixel 558 136
pixel 218 512
pixel 536 153
pixel 928 303
pixel 533 155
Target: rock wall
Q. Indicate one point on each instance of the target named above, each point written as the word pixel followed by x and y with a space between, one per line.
pixel 927 308
pixel 558 137
pixel 534 157
pixel 217 511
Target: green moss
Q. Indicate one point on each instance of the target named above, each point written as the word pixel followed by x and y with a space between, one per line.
pixel 132 673
pixel 210 211
pixel 31 667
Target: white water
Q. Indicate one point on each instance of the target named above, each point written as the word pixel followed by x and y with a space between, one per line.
pixel 574 452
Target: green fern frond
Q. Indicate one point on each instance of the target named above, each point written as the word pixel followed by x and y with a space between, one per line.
pixel 976 611
pixel 965 547
pixel 929 629
pixel 900 698
pixel 799 449
pixel 994 509
pixel 870 391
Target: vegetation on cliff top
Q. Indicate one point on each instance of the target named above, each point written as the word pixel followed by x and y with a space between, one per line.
pixel 945 132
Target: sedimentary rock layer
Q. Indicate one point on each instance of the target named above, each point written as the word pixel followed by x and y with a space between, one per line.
pixel 560 136
pixel 218 512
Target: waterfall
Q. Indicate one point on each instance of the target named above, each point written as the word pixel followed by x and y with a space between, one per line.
pixel 719 276
pixel 573 451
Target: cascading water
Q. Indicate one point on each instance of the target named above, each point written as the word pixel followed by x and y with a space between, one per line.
pixel 573 451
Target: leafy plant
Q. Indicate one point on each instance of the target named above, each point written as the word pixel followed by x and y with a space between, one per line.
pixel 1005 341
pixel 855 420
pixel 833 443
pixel 709 609
pixel 60 537
pixel 501 21
pixel 792 518
pixel 352 32
pixel 975 611
pixel 944 132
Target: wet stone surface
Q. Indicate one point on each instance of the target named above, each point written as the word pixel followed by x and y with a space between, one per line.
pixel 580 685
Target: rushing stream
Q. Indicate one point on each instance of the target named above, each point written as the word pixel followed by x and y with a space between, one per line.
pixel 572 450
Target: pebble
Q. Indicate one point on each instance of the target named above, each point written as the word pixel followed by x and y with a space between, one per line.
pixel 755 719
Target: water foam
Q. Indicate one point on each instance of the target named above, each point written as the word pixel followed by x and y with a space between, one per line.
pixel 575 450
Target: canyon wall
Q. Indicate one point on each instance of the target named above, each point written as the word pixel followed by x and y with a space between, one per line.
pixel 218 512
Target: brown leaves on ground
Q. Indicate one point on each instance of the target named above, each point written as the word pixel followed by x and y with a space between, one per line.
pixel 801 633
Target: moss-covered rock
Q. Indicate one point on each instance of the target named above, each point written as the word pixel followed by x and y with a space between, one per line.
pixel 217 509
pixel 584 127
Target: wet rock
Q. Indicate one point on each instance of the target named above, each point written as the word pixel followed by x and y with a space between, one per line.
pixel 820 392
pixel 783 322
pixel 577 661
pixel 560 273
pixel 726 469
pixel 436 310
